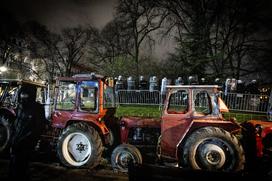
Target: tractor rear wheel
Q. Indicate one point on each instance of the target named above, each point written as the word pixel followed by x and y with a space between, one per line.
pixel 80 146
pixel 122 155
pixel 4 132
pixel 212 148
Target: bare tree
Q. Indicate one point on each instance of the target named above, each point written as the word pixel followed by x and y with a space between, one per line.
pixel 10 34
pixel 233 37
pixel 72 47
pixel 215 37
pixel 141 17
pixel 42 45
pixel 112 43
pixel 59 52
pixel 190 22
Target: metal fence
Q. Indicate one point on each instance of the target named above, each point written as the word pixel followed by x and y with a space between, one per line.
pixel 246 102
pixel 234 101
pixel 139 97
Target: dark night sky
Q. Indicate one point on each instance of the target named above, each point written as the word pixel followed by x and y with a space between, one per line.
pixel 57 14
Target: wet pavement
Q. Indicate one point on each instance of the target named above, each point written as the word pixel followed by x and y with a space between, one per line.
pixel 47 167
pixel 51 170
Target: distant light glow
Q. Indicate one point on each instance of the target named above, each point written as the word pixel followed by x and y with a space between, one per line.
pixel 3 69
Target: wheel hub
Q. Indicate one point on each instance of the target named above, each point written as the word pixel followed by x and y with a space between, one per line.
pixel 212 156
pixel 125 158
pixel 79 147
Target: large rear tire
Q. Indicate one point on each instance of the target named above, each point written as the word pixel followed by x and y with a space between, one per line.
pixel 212 148
pixel 80 146
pixel 122 155
pixel 4 132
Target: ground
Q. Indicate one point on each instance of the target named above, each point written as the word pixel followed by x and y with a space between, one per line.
pixel 51 170
pixel 48 168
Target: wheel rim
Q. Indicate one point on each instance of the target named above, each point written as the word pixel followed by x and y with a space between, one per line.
pixel 213 154
pixel 76 149
pixel 158 148
pixel 123 158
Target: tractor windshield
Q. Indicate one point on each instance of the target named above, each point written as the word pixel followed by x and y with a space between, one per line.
pixel 178 102
pixel 3 90
pixel 66 96
pixel 8 94
pixel 88 91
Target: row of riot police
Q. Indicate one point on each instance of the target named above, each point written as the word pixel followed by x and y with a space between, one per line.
pixel 152 85
pixel 233 85
pixel 230 85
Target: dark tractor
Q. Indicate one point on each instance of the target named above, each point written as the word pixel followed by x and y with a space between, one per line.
pixel 8 102
pixel 81 124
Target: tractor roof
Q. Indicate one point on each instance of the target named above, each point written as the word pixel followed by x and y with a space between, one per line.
pixel 82 77
pixel 16 82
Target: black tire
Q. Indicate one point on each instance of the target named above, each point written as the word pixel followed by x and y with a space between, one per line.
pixel 5 133
pixel 73 153
pixel 122 155
pixel 248 141
pixel 158 149
pixel 212 148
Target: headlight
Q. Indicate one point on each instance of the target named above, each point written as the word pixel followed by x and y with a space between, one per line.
pixel 258 129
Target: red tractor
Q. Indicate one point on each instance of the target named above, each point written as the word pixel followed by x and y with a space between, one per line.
pixel 82 120
pixel 192 133
pixel 257 141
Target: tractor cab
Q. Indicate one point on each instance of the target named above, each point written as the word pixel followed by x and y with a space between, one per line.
pixel 83 112
pixel 87 97
pixel 194 99
pixel 10 87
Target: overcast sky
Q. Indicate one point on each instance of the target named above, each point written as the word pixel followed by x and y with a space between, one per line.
pixel 57 14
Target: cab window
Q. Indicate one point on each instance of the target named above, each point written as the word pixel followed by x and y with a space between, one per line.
pixel 109 100
pixel 88 96
pixel 178 102
pixel 9 95
pixel 40 95
pixel 201 102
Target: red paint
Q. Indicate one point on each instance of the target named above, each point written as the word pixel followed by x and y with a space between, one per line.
pixel 130 122
pixel 266 130
pixel 62 118
pixel 175 125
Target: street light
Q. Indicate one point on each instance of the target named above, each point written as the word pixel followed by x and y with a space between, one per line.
pixel 3 69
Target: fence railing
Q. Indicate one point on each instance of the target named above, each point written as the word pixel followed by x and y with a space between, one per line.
pixel 246 102
pixel 234 101
pixel 139 97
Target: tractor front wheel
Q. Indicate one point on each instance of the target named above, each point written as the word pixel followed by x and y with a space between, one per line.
pixel 122 155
